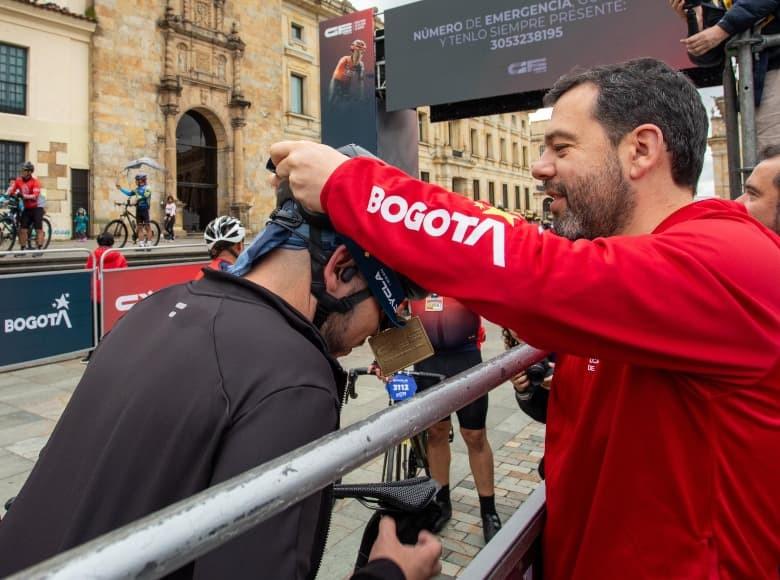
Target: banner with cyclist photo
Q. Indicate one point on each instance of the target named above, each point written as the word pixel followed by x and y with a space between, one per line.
pixel 347 81
pixel 44 315
pixel 125 287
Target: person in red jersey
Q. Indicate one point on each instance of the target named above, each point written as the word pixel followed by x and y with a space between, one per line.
pixel 29 189
pixel 663 422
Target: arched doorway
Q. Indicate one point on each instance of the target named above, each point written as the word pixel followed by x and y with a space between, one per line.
pixel 196 170
pixel 546 213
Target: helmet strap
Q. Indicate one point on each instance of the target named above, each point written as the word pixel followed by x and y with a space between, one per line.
pixel 327 304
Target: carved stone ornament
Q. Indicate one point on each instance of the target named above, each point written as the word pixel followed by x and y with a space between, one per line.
pixel 202 62
pixel 202 14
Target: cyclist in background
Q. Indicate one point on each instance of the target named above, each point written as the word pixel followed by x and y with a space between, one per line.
pixel 29 189
pixel 456 334
pixel 225 240
pixel 144 195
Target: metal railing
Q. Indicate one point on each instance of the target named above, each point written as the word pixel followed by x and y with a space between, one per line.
pixel 516 550
pixel 739 97
pixel 170 538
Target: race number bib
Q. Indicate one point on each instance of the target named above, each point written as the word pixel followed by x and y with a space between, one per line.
pixel 434 303
pixel 401 386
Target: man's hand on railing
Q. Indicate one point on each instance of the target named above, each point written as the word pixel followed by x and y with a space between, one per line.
pixel 705 40
pixel 418 562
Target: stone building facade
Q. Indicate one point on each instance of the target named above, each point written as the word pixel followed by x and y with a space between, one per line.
pixel 203 87
pixel 486 158
pixel 719 148
pixel 44 101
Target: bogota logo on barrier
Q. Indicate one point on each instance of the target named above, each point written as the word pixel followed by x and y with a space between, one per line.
pixel 44 320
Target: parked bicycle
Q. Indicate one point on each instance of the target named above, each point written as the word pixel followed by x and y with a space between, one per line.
pixel 127 222
pixel 10 221
pixel 409 458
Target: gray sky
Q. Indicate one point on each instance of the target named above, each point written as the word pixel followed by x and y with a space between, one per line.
pixel 706 183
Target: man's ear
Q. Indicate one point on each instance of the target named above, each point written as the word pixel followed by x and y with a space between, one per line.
pixel 646 150
pixel 339 271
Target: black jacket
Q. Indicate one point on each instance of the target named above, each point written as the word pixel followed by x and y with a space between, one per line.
pixel 198 383
pixel 744 14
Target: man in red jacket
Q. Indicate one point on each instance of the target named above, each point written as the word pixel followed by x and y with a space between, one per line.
pixel 663 425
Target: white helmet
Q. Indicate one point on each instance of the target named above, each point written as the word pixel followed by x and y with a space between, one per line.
pixel 224 229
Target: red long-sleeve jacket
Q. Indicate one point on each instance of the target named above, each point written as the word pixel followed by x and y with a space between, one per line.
pixel 663 428
pixel 30 191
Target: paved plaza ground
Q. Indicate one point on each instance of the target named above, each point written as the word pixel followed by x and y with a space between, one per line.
pixel 32 399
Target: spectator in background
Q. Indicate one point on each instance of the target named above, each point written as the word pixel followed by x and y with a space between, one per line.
pixel 762 189
pixel 456 334
pixel 29 189
pixel 224 238
pixel 80 223
pixel 112 261
pixel 170 217
pixel 740 16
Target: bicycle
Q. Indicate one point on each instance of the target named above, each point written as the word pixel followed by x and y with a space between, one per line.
pixel 409 458
pixel 10 224
pixel 127 220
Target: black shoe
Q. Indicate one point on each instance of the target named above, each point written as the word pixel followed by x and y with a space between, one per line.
pixel 491 523
pixel 444 517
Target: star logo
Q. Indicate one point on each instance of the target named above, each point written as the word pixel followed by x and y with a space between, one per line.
pixel 509 217
pixel 61 302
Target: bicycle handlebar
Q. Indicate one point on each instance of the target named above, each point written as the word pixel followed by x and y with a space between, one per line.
pixel 353 374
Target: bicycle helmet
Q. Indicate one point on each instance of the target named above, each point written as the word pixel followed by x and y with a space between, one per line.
pixel 357 44
pixel 28 166
pixel 291 226
pixel 223 229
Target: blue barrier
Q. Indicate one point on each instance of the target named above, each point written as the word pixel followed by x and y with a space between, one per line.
pixel 45 315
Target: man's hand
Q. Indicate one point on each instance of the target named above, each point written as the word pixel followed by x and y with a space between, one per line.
pixel 678 7
pixel 707 39
pixel 418 562
pixel 520 382
pixel 307 166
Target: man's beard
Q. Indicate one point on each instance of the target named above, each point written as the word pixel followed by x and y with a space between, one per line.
pixel 597 205
pixel 333 330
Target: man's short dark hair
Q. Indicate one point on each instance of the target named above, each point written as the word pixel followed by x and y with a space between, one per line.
pixel 647 91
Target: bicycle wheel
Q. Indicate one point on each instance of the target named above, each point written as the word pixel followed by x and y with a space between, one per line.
pixel 118 229
pixel 7 236
pixel 155 227
pixel 418 457
pixel 46 233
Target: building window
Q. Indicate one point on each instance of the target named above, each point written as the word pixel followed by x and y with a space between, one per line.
pixel 527 198
pixel 296 94
pixel 13 79
pixel 474 142
pixel 422 127
pixel 517 197
pixel 522 124
pixel 525 157
pixel 514 121
pixel 489 146
pixel 504 196
pixel 450 135
pixel 425 176
pixel 491 193
pixel 475 189
pixel 11 159
pixel 296 32
pixel 502 149
pixel 515 160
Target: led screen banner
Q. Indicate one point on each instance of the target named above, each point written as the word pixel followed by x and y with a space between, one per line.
pixel 347 80
pixel 445 51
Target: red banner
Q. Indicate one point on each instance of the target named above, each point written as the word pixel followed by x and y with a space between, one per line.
pixel 123 288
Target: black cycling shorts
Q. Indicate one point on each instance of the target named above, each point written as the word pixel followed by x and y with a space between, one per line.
pixel 142 215
pixel 32 216
pixel 473 415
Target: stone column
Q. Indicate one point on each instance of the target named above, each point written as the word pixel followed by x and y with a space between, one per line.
pixel 237 194
pixel 170 112
pixel 219 6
